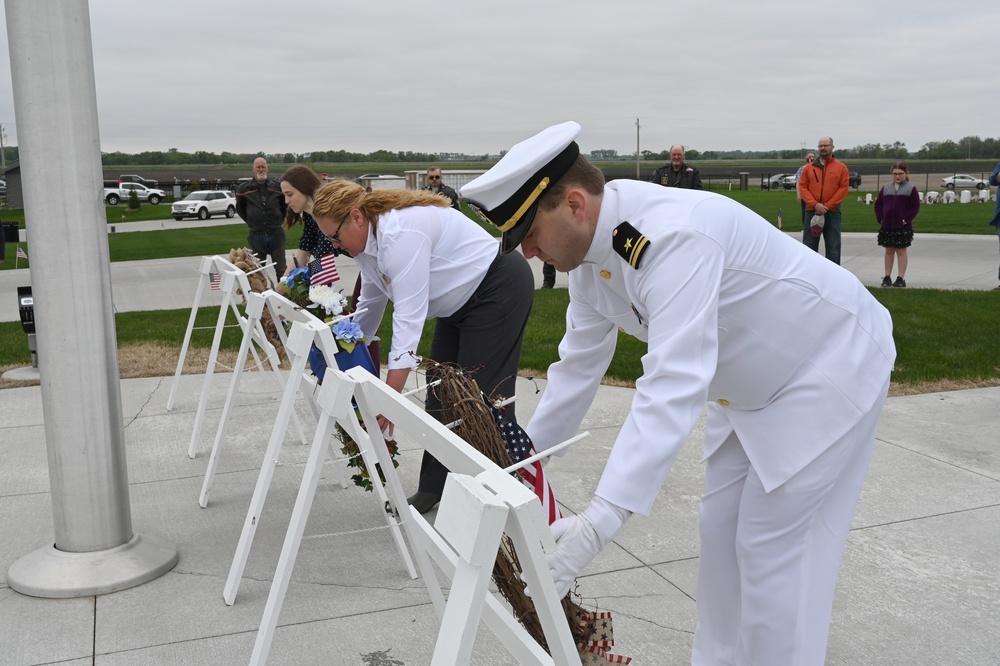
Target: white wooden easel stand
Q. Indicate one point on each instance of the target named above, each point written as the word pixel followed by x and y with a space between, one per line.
pixel 466 550
pixel 373 450
pixel 281 309
pixel 231 279
pixel 334 400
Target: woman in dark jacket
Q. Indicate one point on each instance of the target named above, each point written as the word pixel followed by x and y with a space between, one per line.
pixel 896 205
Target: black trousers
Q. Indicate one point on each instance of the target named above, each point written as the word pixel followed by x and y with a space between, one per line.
pixel 484 337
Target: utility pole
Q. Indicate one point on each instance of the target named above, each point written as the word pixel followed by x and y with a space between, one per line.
pixel 637 177
pixel 3 149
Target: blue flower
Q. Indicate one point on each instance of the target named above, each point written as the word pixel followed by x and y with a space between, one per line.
pixel 297 274
pixel 348 331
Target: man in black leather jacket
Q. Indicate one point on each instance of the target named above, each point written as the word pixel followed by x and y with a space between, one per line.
pixel 677 173
pixel 436 185
pixel 261 205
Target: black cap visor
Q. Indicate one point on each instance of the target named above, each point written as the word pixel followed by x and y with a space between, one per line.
pixel 511 239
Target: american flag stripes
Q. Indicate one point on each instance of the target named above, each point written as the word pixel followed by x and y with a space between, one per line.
pixel 533 476
pixel 323 270
pixel 21 254
pixel 215 280
pixel 602 637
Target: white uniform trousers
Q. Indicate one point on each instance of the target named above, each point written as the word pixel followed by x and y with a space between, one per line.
pixel 768 564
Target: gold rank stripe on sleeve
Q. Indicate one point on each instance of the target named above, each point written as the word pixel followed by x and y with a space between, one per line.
pixel 629 243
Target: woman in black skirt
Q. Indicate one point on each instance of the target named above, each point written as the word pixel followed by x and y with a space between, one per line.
pixel 896 205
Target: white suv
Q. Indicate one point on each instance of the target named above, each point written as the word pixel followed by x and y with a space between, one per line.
pixel 204 204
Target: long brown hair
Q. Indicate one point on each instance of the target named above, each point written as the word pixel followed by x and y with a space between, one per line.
pixel 305 181
pixel 338 198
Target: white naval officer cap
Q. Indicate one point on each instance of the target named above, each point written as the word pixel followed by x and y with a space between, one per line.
pixel 507 195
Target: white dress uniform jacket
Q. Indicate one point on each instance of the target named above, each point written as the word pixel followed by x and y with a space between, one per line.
pixel 789 349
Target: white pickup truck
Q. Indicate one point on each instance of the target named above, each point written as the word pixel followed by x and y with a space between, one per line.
pixel 113 195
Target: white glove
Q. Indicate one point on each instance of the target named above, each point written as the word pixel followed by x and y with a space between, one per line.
pixel 580 538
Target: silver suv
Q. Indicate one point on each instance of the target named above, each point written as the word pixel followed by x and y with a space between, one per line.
pixel 204 204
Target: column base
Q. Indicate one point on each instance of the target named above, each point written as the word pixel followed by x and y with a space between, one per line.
pixel 57 574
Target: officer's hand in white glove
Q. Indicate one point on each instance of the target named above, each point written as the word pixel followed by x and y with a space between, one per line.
pixel 580 538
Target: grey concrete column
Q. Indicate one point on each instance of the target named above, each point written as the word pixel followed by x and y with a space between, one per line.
pixel 55 105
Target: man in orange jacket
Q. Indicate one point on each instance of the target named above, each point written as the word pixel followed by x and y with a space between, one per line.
pixel 823 186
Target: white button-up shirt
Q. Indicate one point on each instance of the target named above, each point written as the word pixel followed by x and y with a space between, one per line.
pixel 428 261
pixel 790 348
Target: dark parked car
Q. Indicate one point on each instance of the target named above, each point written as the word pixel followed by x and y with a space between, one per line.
pixel 854 179
pixel 148 182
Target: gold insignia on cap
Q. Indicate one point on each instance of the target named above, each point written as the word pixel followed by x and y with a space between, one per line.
pixel 630 244
pixel 535 193
pixel 606 275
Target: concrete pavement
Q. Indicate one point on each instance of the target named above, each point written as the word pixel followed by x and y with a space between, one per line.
pixel 919 583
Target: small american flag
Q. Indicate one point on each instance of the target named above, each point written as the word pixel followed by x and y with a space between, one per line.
pixel 323 270
pixel 215 280
pixel 533 476
pixel 21 254
pixel 599 637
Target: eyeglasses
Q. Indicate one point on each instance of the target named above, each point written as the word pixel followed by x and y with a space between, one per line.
pixel 898 173
pixel 433 177
pixel 335 238
pixel 810 159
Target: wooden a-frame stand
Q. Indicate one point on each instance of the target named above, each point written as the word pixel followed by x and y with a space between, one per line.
pixel 480 503
pixel 305 332
pixel 281 310
pixel 232 281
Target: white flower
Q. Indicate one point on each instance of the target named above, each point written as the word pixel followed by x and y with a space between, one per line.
pixel 326 297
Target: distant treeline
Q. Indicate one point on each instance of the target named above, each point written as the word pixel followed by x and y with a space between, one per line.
pixel 970 147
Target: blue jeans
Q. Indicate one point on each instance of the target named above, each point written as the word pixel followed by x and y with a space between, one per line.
pixel 998 236
pixel 831 235
pixel 271 242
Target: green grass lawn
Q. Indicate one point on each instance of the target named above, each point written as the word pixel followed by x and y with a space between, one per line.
pixel 972 218
pixel 941 336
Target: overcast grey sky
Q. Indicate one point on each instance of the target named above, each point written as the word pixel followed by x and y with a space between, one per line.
pixel 476 77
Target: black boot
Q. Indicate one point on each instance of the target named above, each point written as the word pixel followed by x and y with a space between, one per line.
pixel 423 502
pixel 548 276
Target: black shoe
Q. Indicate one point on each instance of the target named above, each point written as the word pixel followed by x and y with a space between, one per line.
pixel 548 276
pixel 887 281
pixel 423 502
pixel 900 282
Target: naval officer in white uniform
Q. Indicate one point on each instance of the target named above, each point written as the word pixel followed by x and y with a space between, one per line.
pixel 791 353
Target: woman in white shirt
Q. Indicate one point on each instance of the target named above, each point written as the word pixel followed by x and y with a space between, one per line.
pixel 432 262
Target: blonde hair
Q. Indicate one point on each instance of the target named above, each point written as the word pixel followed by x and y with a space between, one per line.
pixel 338 198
